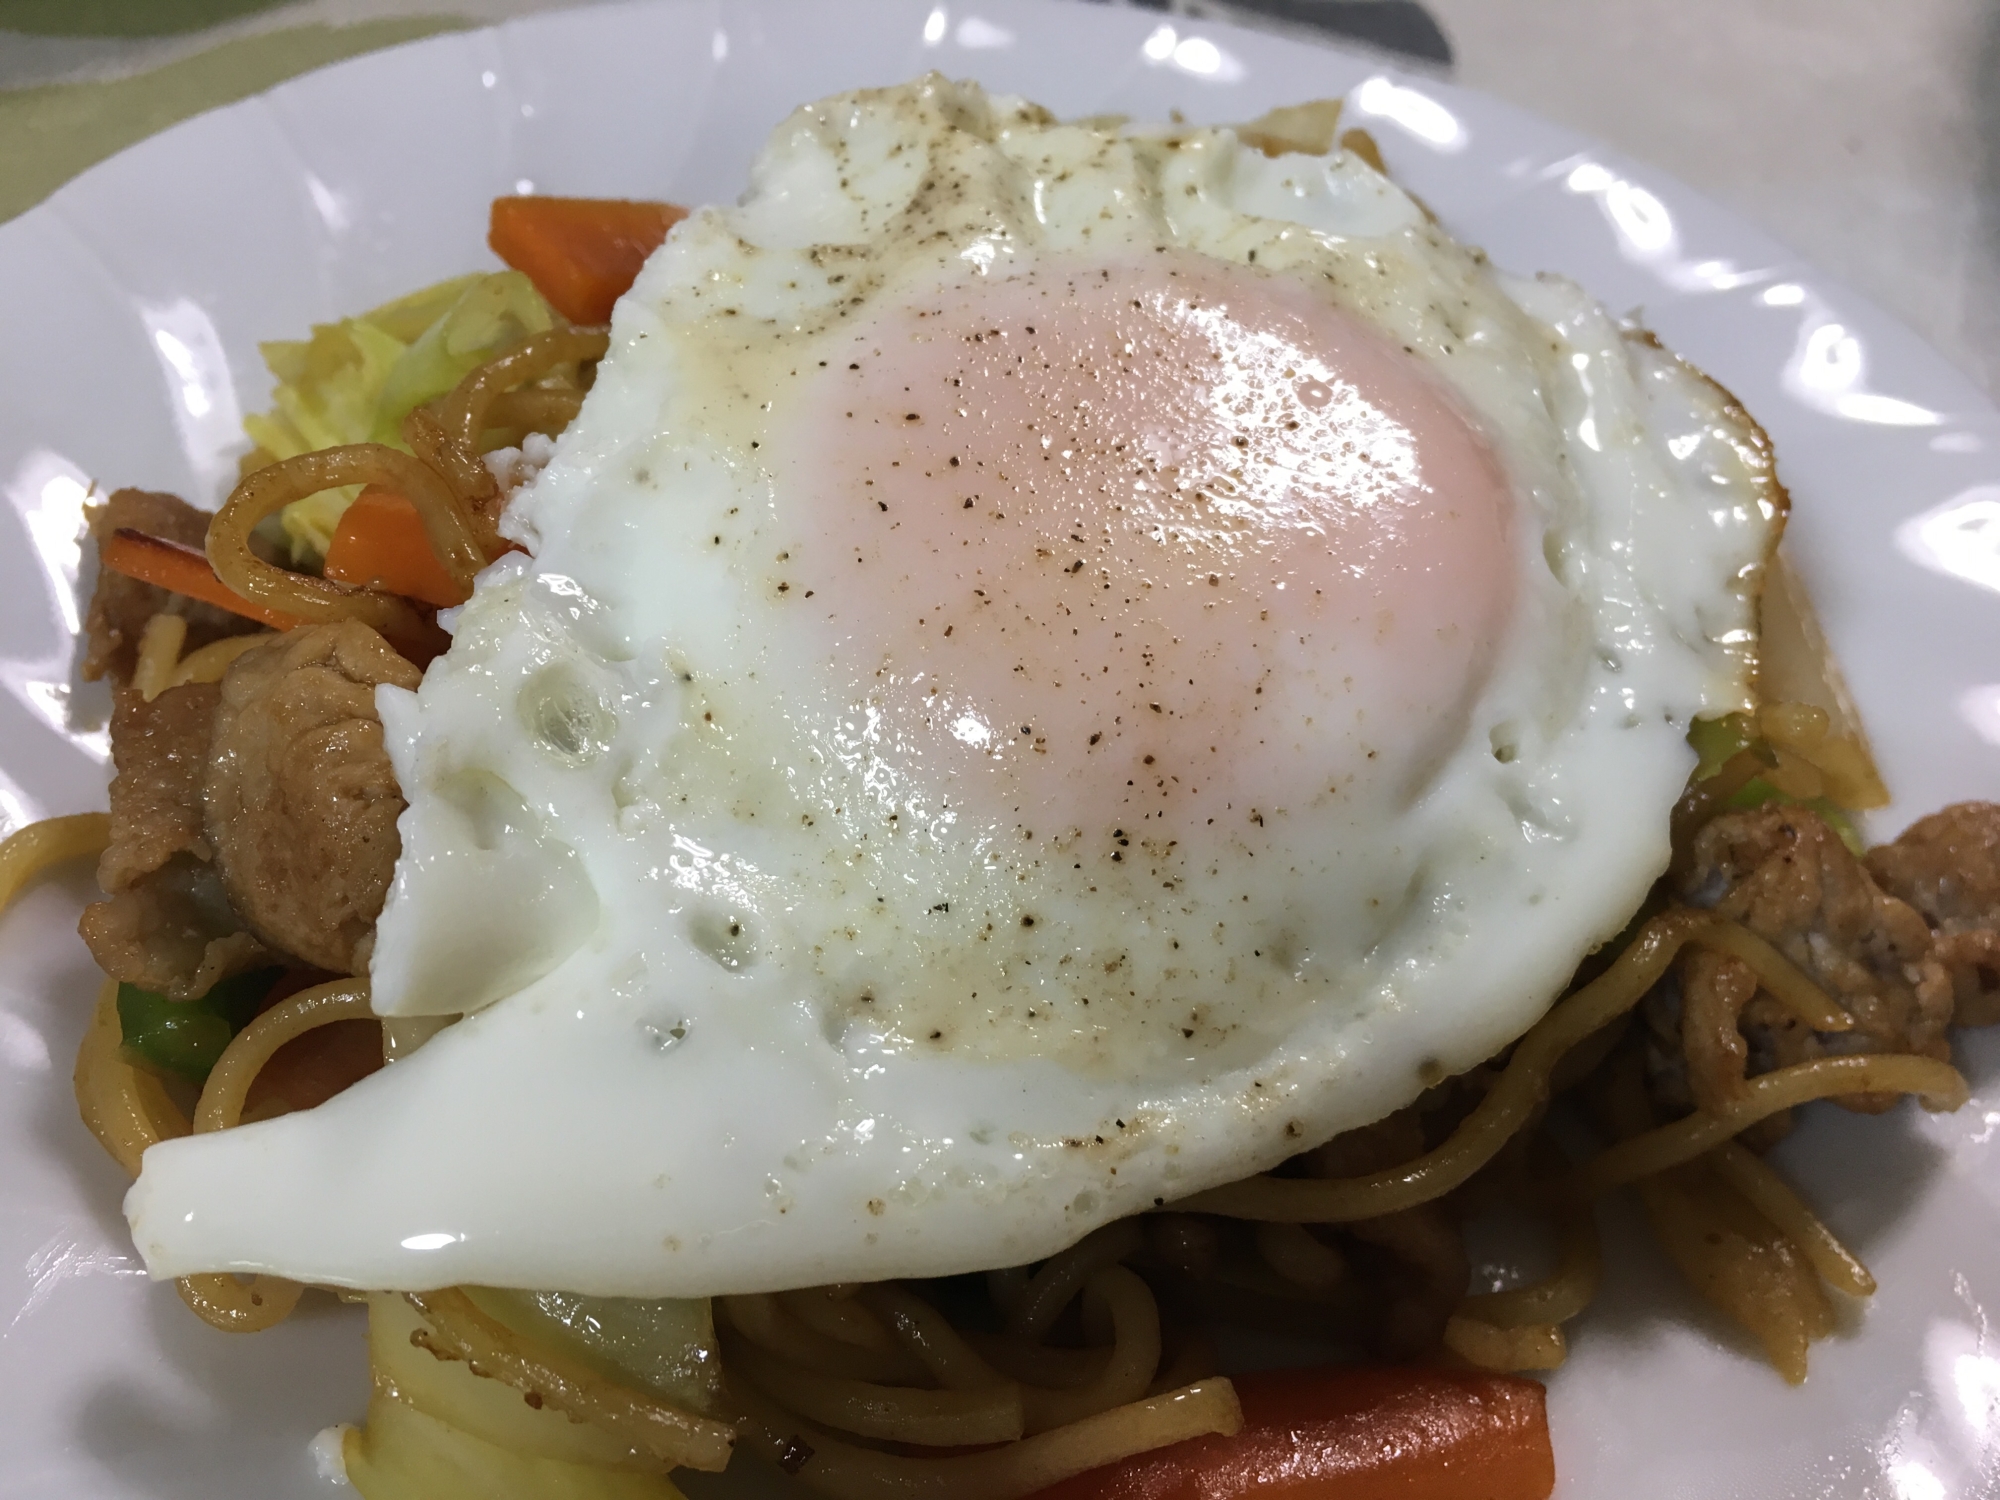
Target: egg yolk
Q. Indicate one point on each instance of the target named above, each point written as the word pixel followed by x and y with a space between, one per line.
pixel 1152 539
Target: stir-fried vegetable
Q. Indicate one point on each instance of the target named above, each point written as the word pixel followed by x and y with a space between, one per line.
pixel 403 1453
pixel 355 380
pixel 380 543
pixel 477 1405
pixel 1352 1433
pixel 582 253
pixel 185 1037
pixel 665 1346
pixel 1775 756
pixel 181 570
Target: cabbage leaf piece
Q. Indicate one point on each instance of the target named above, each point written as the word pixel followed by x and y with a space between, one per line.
pixel 355 380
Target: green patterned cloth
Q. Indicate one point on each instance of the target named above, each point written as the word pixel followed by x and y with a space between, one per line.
pixel 83 79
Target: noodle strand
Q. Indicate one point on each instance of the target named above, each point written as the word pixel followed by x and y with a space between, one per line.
pixel 832 1313
pixel 1522 1089
pixel 762 1319
pixel 266 491
pixel 938 1419
pixel 1056 1284
pixel 1773 1197
pixel 221 1104
pixel 928 1334
pixel 446 434
pixel 1531 1346
pixel 460 1330
pixel 29 851
pixel 1038 1364
pixel 1128 1371
pixel 1939 1084
pixel 844 1471
pixel 223 1302
pixel 219 1299
pixel 1295 1254
pixel 465 412
pixel 1562 1296
pixel 1783 979
pixel 125 1108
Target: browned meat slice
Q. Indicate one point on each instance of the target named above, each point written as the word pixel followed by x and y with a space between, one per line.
pixel 1948 867
pixel 301 802
pixel 172 933
pixel 120 607
pixel 166 925
pixel 1786 876
pixel 161 750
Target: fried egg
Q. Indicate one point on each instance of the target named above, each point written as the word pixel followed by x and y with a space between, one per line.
pixel 1059 665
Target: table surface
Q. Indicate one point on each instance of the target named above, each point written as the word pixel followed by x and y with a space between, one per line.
pixel 1855 132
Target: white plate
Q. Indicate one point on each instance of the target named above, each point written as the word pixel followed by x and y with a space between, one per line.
pixel 132 303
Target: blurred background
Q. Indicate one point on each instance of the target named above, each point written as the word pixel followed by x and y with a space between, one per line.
pixel 1864 134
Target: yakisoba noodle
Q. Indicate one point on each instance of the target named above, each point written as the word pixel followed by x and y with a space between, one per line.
pixel 447 435
pixel 460 1330
pixel 848 1471
pixel 1938 1084
pixel 262 1301
pixel 825 1357
pixel 126 1108
pixel 1563 1295
pixel 543 411
pixel 1524 1085
pixel 1764 1190
pixel 1521 1328
pixel 448 485
pixel 160 664
pixel 41 846
pixel 944 1418
pixel 221 1106
pixel 1299 1256
pixel 1530 1346
pixel 268 490
pixel 826 1373
pixel 471 409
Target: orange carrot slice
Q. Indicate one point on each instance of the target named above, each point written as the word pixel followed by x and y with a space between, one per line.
pixel 1352 1434
pixel 182 570
pixel 380 544
pixel 581 253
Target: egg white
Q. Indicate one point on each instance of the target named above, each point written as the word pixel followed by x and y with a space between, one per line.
pixel 735 1027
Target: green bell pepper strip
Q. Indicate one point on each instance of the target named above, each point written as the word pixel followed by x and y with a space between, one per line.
pixel 185 1037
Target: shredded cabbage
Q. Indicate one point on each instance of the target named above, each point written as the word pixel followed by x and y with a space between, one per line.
pixel 354 381
pixel 666 1346
pixel 1718 741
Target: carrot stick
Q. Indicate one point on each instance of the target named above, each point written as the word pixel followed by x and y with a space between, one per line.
pixel 1352 1434
pixel 581 253
pixel 380 544
pixel 181 570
